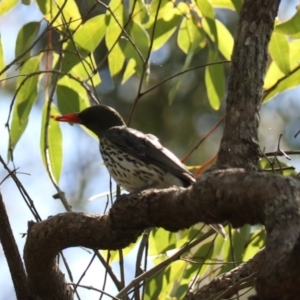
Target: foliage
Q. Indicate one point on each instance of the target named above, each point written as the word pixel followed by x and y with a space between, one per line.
pixel 67 58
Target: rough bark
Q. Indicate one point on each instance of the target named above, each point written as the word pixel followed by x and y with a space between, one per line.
pixel 46 239
pixel 234 195
pixel 239 145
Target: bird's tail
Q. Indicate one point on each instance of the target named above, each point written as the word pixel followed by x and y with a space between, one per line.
pixel 219 229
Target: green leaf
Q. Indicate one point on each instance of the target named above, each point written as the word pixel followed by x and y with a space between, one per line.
pixel 209 24
pixel 190 38
pixel 285 83
pixel 6 5
pixel 176 272
pixel 272 76
pixel 71 96
pixel 81 65
pixel 292 26
pixel 54 143
pixel 225 40
pixel 26 97
pixel 257 239
pixel 163 31
pixel 154 286
pixel 115 254
pixel 223 4
pixel 140 39
pixel 279 50
pixel 2 63
pixel 174 90
pixel 183 38
pixel 116 57
pixel 164 7
pixel 69 16
pixel 240 238
pixel 215 81
pixel 90 34
pixel 167 22
pixel 237 5
pixel 139 13
pixel 160 241
pixel 25 38
pixel 294 47
pixel 228 4
pixel 129 71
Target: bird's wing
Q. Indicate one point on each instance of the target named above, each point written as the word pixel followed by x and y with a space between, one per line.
pixel 147 148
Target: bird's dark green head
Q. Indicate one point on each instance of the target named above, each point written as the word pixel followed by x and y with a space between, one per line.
pixel 96 118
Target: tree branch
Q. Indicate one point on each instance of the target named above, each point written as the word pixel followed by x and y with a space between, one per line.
pixel 216 197
pixel 47 238
pixel 12 255
pixel 239 145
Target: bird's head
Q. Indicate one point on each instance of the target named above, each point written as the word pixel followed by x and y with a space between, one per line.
pixel 96 118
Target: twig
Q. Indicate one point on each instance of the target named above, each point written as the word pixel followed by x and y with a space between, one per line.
pixel 143 246
pixel 181 73
pixel 135 282
pixel 29 202
pixel 35 42
pixel 115 43
pixel 84 272
pixel 12 255
pixel 94 289
pixel 138 96
pixel 274 86
pixel 77 52
pixel 203 139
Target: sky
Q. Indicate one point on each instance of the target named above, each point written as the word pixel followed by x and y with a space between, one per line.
pixel 33 176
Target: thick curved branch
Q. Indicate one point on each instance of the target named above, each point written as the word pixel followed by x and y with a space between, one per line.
pixel 46 239
pixel 232 195
pixel 239 146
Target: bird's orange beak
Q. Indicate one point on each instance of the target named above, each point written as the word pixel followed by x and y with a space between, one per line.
pixel 71 118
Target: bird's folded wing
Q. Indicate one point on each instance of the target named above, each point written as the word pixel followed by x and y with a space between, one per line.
pixel 148 149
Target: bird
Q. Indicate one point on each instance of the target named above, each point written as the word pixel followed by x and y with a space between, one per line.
pixel 135 160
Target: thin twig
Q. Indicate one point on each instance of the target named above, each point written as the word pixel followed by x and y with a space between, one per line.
pixel 203 139
pixel 12 255
pixel 274 86
pixel 181 73
pixel 77 52
pixel 143 246
pixel 109 270
pixel 152 272
pixel 116 41
pixel 60 194
pixel 14 61
pixel 121 264
pixel 232 251
pixel 138 96
pixel 94 289
pixel 29 202
pixel 84 272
